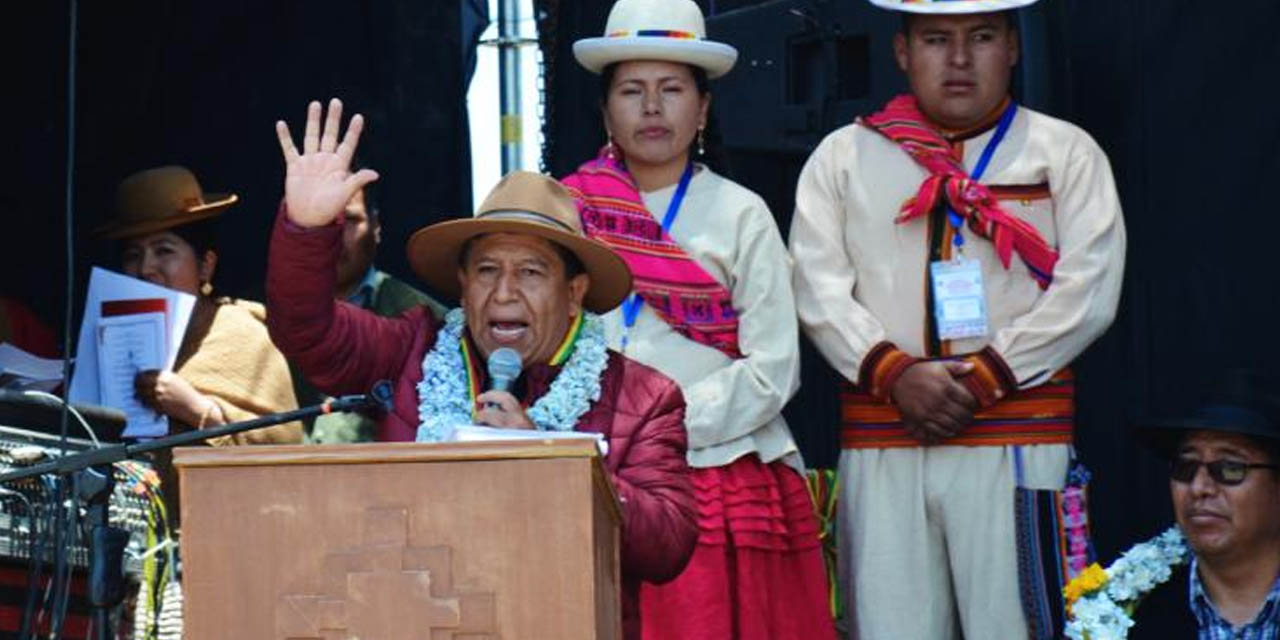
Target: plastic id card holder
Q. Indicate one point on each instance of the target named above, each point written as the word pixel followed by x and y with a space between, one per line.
pixel 959 301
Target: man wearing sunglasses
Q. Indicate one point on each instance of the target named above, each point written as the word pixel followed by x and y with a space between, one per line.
pixel 1224 478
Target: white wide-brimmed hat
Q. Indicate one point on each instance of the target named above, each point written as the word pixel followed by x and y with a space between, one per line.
pixel 951 6
pixel 670 30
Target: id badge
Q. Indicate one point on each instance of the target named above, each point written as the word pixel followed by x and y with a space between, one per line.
pixel 960 304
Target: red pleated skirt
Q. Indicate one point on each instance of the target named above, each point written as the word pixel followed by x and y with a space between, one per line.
pixel 757 572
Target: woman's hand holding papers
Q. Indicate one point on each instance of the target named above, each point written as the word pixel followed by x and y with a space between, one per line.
pixel 170 394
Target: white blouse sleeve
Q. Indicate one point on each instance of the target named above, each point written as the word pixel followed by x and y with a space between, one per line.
pixel 750 391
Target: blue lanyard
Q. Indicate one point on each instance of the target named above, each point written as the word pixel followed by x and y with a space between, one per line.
pixel 631 308
pixel 1005 120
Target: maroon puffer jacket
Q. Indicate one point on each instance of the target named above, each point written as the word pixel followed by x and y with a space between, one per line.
pixel 344 349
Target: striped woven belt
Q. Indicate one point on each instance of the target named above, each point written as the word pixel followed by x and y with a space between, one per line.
pixel 1040 415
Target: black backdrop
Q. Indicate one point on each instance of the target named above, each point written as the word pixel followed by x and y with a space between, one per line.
pixel 1180 94
pixel 202 84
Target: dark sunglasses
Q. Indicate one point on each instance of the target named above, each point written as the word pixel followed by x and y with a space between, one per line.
pixel 1224 472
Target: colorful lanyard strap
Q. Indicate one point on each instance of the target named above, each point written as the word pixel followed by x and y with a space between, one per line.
pixel 631 308
pixel 1001 129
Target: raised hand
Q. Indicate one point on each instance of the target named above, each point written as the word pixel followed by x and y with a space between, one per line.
pixel 318 183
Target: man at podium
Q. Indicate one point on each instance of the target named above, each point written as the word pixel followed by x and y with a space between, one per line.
pixel 529 281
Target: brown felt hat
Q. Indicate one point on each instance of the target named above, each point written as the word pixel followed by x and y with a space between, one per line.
pixel 528 203
pixel 161 198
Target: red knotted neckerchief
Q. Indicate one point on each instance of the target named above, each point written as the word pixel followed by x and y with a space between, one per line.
pixel 902 122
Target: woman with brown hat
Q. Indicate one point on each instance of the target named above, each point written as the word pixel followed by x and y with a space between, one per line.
pixel 227 370
pixel 711 307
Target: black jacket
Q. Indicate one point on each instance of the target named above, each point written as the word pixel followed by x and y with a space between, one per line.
pixel 1165 614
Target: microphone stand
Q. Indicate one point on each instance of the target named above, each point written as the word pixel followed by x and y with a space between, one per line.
pixel 93 481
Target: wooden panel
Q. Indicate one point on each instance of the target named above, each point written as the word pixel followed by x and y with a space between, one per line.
pixel 606 561
pixel 482 549
pixel 363 453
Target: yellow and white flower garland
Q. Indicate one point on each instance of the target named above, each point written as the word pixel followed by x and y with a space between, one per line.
pixel 1100 603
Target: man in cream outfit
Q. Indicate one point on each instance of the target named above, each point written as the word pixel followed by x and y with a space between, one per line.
pixel 953 254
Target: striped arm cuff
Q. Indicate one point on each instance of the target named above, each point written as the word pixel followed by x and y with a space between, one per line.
pixel 881 368
pixel 991 380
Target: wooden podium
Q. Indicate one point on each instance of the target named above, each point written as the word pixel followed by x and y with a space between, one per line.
pixel 395 541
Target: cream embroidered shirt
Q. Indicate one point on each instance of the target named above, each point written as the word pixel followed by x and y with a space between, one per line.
pixel 860 278
pixel 733 405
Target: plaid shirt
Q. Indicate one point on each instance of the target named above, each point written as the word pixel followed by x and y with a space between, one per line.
pixel 1266 626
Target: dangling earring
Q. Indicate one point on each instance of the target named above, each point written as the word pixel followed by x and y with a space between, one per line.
pixel 206 288
pixel 609 149
pixel 702 148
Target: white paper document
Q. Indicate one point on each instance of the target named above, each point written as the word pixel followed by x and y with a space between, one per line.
pixel 21 370
pixel 88 386
pixel 478 433
pixel 128 345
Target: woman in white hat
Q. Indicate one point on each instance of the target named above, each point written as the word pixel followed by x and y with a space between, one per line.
pixel 711 307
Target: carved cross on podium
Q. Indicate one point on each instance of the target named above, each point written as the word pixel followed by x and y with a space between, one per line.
pixel 384 574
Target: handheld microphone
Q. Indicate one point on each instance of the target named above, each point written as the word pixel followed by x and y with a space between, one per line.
pixel 504 367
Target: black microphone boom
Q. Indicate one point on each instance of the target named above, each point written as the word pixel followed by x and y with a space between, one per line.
pixel 116 453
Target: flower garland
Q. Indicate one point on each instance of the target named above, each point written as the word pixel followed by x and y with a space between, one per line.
pixel 446 399
pixel 1100 603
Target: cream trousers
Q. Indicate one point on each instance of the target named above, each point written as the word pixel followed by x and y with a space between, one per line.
pixel 927 539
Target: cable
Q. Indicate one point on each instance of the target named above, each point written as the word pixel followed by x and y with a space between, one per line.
pixel 32 550
pixel 72 541
pixel 59 499
pixel 29 609
pixel 70 207
pixel 36 604
pixel 74 412
pixel 69 518
pixel 54 528
pixel 159 547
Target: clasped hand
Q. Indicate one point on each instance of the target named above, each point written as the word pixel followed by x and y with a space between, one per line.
pixel 934 404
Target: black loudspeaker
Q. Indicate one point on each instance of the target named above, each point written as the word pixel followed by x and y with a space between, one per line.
pixel 807 67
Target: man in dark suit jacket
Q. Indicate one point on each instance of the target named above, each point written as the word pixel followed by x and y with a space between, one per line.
pixel 1225 485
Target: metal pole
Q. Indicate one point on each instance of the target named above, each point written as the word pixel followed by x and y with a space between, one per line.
pixel 509 84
